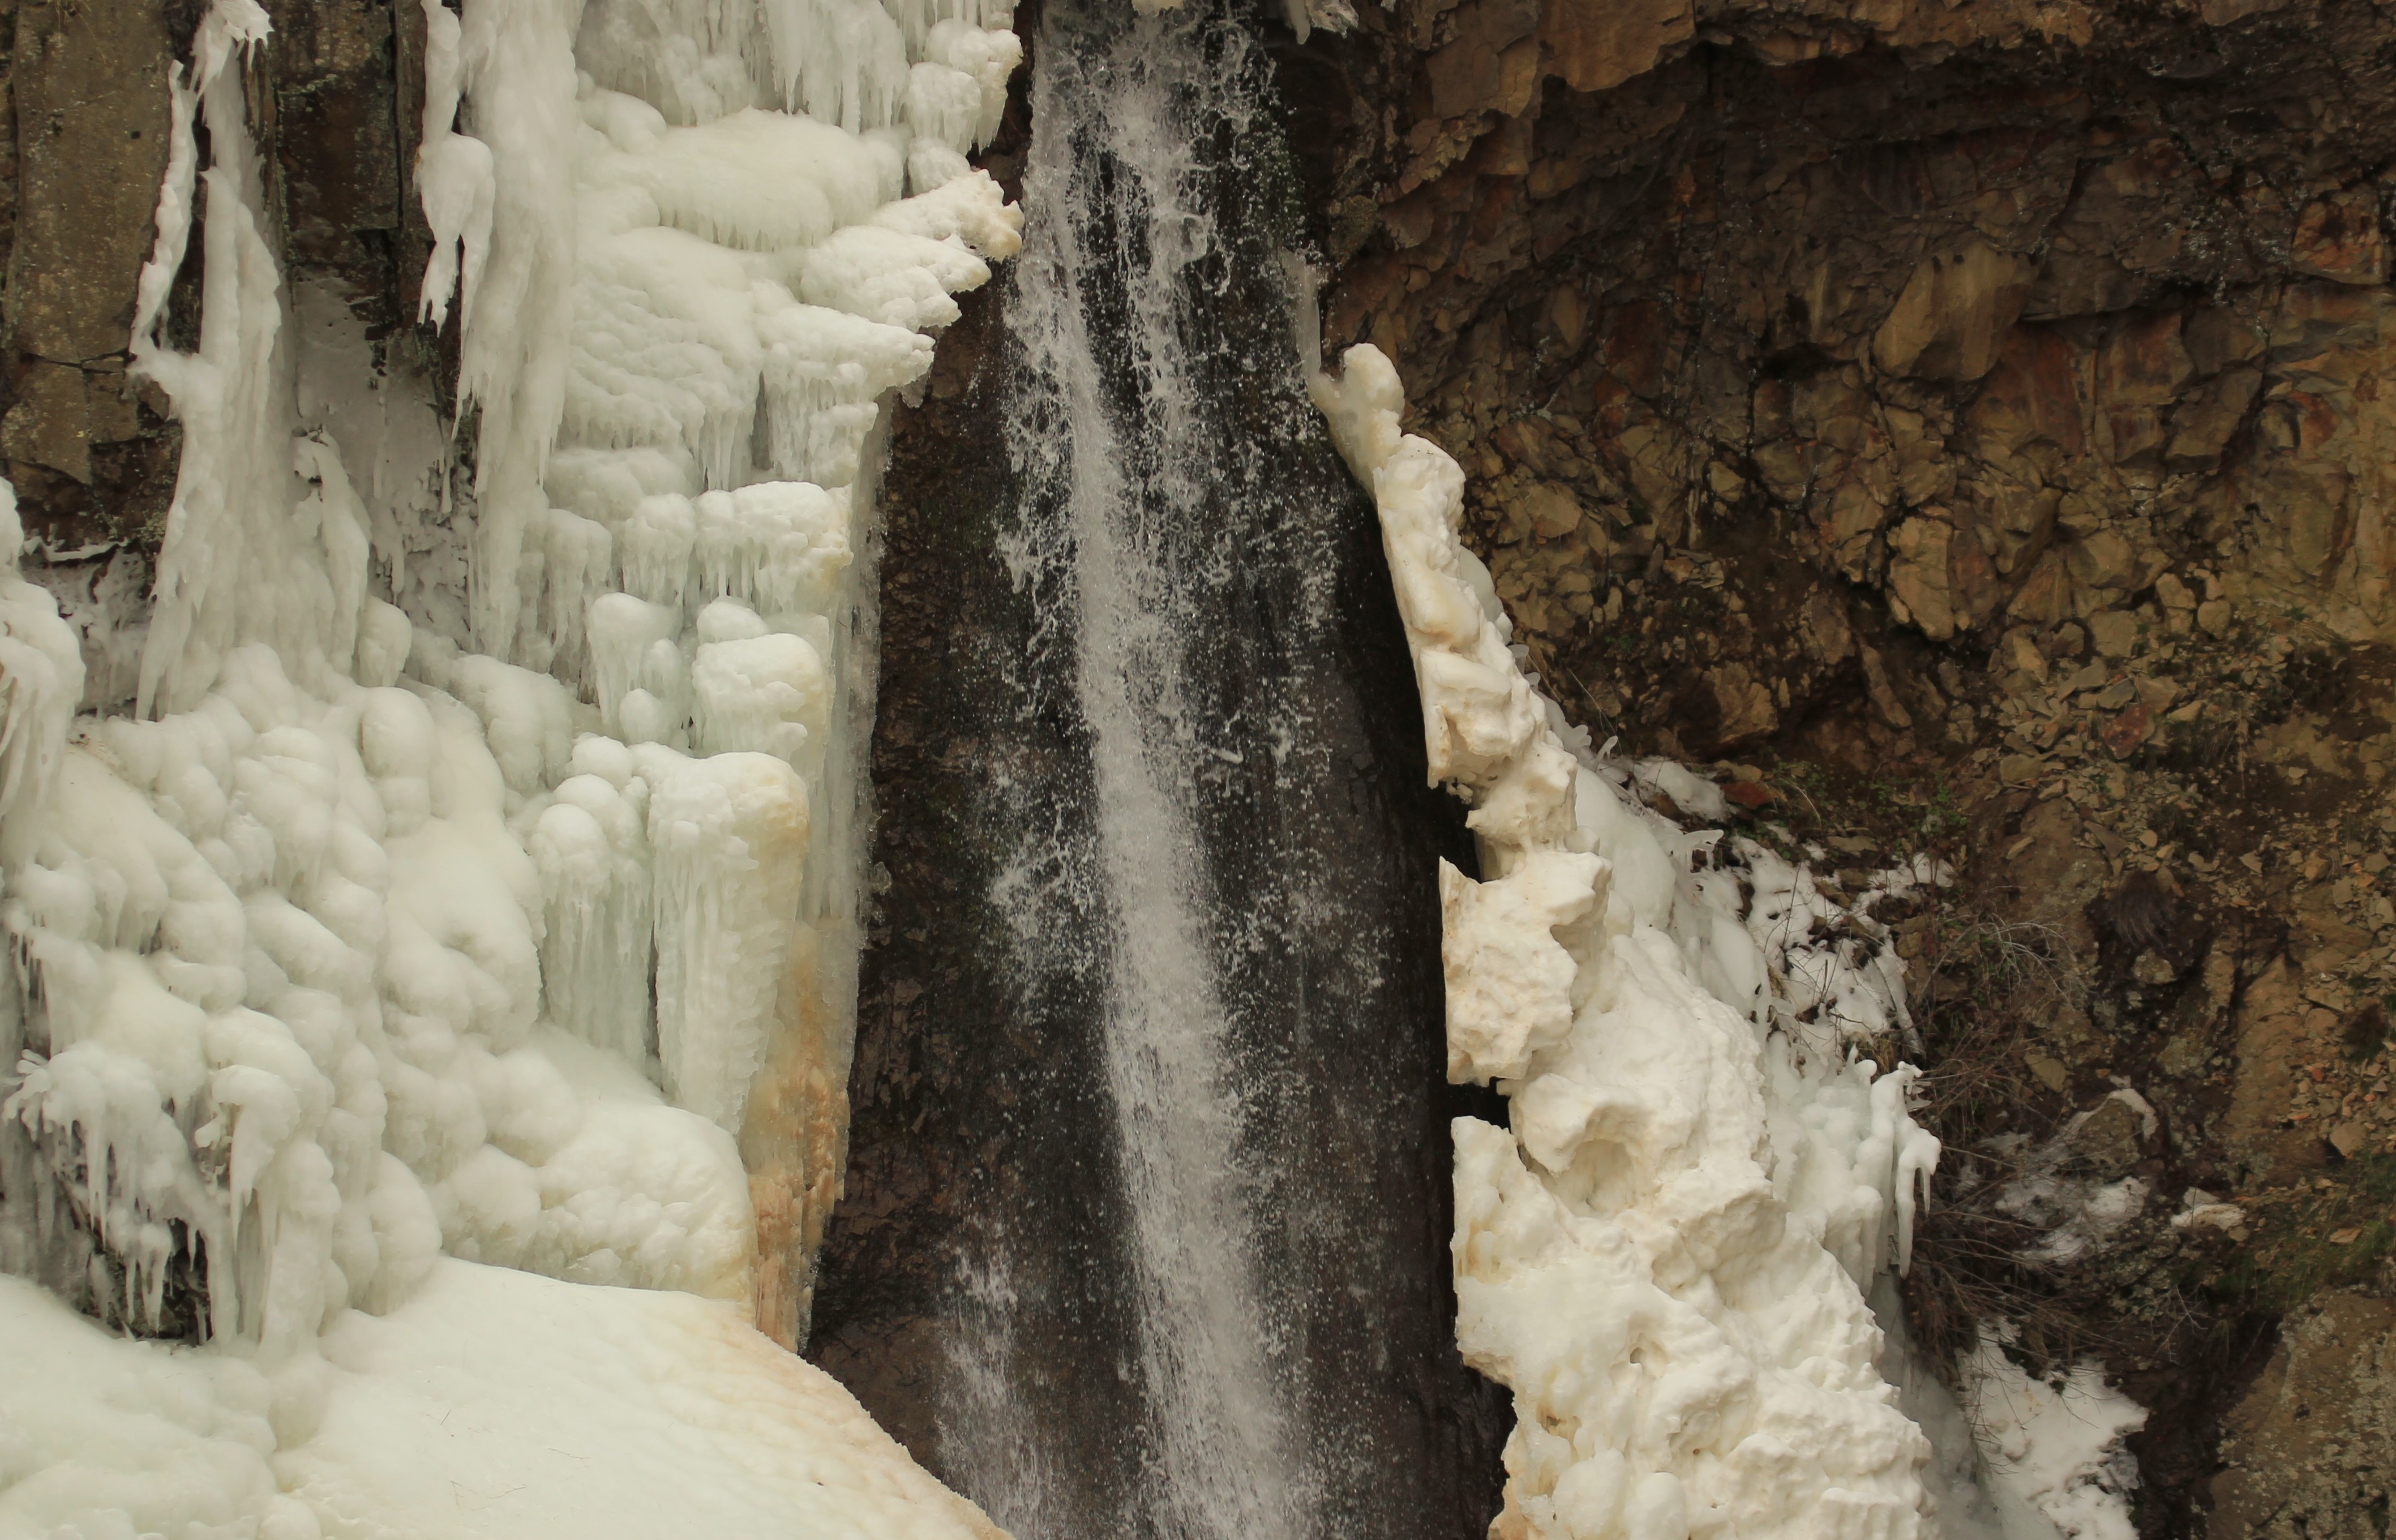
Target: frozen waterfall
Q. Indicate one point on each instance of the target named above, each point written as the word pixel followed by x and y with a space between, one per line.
pixel 432 966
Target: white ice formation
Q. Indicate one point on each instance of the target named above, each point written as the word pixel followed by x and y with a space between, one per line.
pixel 1665 1257
pixel 468 889
pixel 2053 1443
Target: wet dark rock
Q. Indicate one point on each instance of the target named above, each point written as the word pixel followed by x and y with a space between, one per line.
pixel 2143 911
pixel 335 95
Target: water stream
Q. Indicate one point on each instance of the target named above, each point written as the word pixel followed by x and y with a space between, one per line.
pixel 1194 1276
pixel 1122 465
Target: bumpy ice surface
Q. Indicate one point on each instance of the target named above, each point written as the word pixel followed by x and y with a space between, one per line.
pixel 463 879
pixel 1665 1255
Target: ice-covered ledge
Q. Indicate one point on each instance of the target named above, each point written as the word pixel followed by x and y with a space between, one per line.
pixel 1665 1257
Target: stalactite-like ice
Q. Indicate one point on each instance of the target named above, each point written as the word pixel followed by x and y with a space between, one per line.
pixel 1665 1255
pixel 481 853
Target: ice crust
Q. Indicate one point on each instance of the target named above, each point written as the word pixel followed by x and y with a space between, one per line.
pixel 480 853
pixel 1666 1254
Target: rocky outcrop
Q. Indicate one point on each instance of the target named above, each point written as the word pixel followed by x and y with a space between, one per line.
pixel 2312 1449
pixel 1965 424
pixel 86 150
pixel 2000 337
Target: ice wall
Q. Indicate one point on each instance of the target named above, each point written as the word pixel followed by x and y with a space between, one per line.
pixel 474 880
pixel 1665 1255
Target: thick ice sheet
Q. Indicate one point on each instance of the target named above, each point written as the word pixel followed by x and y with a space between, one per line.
pixel 493 1404
pixel 121 1438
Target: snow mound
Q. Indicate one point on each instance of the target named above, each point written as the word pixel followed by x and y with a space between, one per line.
pixel 494 1403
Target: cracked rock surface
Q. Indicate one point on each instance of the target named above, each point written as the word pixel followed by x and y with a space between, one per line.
pixel 1965 426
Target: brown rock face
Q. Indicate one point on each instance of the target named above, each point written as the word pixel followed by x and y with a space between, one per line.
pixel 2312 1450
pixel 91 148
pixel 1976 334
pixel 89 132
pixel 1976 415
pixel 347 109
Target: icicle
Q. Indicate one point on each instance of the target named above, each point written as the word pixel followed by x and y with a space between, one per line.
pixel 990 58
pixel 885 275
pixel 758 181
pixel 768 693
pixel 625 632
pixel 778 547
pixel 527 720
pixel 340 531
pixel 519 76
pixel 455 181
pixel 919 18
pixel 841 61
pixel 593 851
pixel 944 105
pixel 232 485
pixel 729 836
pixel 577 560
pixel 688 57
pixel 824 376
pixel 657 546
pixel 605 485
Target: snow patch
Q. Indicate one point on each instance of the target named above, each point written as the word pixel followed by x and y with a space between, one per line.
pixel 2055 1443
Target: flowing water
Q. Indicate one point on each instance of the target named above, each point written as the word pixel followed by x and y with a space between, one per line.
pixel 1151 1026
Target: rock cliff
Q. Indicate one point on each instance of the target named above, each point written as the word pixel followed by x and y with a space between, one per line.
pixel 1964 424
